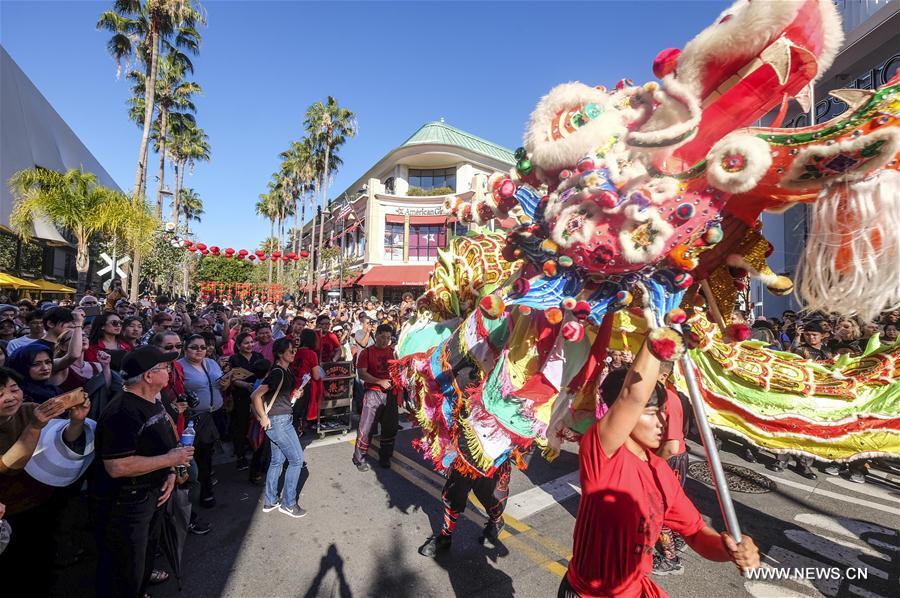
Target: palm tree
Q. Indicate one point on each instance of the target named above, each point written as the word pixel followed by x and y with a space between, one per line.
pixel 329 125
pixel 191 207
pixel 188 145
pixel 141 29
pixel 73 201
pixel 298 167
pixel 266 207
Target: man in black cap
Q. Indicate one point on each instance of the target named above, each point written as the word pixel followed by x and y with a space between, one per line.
pixel 139 451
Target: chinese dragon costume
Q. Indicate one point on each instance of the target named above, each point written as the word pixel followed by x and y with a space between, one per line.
pixel 625 200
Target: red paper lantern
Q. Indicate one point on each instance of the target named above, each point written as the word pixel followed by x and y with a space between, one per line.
pixel 239 257
pixel 284 258
pixel 192 249
pixel 214 249
pixel 229 251
pixel 276 254
pixel 262 258
pixel 204 251
pixel 295 258
pixel 292 255
pixel 242 252
pixel 200 246
pixel 227 256
pixel 259 252
pixel 188 243
pixel 251 257
pixel 304 254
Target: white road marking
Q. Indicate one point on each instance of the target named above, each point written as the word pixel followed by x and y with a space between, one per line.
pixel 788 559
pixel 541 497
pixel 837 549
pixel 870 489
pixel 835 495
pixel 851 528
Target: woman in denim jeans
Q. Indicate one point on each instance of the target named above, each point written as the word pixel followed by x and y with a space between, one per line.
pixel 272 404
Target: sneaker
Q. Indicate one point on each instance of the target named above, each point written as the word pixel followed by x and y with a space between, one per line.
pixel 663 566
pixel 435 544
pixel 832 470
pixel 198 527
pixel 242 465
pixel 361 465
pixel 750 455
pixel 267 507
pixel 857 477
pixel 296 511
pixel 680 544
pixel 491 532
pixel 808 473
pixel 777 467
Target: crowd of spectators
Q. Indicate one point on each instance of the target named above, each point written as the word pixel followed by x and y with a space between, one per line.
pixel 123 403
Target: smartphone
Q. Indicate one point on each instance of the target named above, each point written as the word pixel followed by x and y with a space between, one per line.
pixel 92 310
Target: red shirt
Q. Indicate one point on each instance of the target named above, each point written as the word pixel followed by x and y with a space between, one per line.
pixel 304 361
pixel 375 361
pixel 329 346
pixel 90 354
pixel 674 420
pixel 624 504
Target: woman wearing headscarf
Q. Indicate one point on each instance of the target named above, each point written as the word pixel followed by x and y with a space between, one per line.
pixel 34 364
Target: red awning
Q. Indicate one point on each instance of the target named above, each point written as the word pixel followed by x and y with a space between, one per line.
pixel 419 220
pixel 394 219
pixel 396 276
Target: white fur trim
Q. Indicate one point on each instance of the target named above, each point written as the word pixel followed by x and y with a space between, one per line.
pixel 888 152
pixel 752 27
pixel 677 114
pixel 653 250
pixel 549 154
pixel 586 231
pixel 757 157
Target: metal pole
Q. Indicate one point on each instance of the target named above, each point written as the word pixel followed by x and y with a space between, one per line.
pixel 712 455
pixel 341 267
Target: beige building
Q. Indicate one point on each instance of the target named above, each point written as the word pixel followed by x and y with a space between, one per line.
pixel 389 224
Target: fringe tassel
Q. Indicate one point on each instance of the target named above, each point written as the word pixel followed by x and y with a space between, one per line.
pixel 851 262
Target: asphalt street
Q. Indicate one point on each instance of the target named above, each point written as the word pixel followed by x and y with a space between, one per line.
pixel 361 535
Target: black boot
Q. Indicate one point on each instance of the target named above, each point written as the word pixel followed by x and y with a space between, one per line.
pixel 435 544
pixel 491 532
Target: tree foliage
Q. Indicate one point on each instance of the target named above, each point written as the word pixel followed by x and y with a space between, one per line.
pixel 221 269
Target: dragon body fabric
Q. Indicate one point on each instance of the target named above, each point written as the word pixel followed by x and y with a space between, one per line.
pixel 628 198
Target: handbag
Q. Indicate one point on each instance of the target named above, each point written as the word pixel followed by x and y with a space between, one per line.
pixel 255 434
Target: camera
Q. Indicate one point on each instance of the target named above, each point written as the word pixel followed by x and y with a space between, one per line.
pixel 190 398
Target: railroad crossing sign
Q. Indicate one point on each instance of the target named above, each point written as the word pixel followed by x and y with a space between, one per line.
pixel 109 267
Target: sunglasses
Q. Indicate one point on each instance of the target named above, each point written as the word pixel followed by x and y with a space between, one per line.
pixel 197 347
pixel 114 323
pixel 176 346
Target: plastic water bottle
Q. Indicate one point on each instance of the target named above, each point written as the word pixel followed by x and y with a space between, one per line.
pixel 187 436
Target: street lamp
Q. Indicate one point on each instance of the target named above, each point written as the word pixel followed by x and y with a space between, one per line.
pixel 351 217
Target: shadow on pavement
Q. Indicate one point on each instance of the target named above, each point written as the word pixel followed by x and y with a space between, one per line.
pixel 330 560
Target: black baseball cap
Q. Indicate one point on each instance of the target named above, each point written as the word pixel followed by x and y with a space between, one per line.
pixel 143 359
pixel 814 326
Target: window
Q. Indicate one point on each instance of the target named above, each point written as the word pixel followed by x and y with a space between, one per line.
pixel 425 240
pixel 389 185
pixel 433 178
pixel 393 241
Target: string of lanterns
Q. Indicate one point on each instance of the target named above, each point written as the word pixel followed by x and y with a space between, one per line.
pixel 211 289
pixel 243 254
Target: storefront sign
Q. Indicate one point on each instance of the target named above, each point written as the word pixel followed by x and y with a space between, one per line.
pixel 435 211
pixel 830 107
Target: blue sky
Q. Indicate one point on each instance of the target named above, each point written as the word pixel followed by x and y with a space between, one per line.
pixel 482 66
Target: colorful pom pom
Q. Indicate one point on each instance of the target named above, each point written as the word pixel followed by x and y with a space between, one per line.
pixel 554 315
pixel 737 333
pixel 506 189
pixel 565 261
pixel 582 310
pixel 713 235
pixel 524 310
pixel 492 306
pixel 665 344
pixel 521 287
pixel 584 165
pixel 665 62
pixel 550 268
pixel 568 303
pixel 624 298
pixel 564 174
pixel 607 199
pixel 549 245
pixel 573 331
pixel 683 280
pixel 676 316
